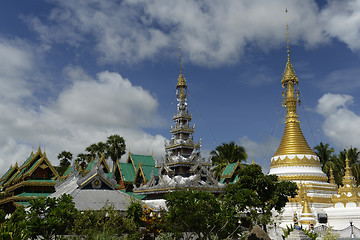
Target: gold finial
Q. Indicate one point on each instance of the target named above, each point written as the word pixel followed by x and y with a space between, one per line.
pixel 180 60
pixel 181 86
pixel 287 33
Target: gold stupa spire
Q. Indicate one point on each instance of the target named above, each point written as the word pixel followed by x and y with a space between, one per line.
pixel 348 178
pixel 293 140
pixel 350 192
pixel 331 178
pixel 181 86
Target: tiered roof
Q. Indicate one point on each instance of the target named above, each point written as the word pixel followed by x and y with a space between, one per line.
pixel 93 189
pixel 35 177
pixel 184 168
pixel 137 170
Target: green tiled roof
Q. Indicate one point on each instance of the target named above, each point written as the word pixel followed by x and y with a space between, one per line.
pixel 145 160
pixel 127 171
pixel 110 174
pixel 89 167
pixel 33 165
pixel 24 203
pixel 148 170
pixel 140 197
pixel 68 170
pixel 235 179
pixel 27 160
pixel 40 180
pixel 222 180
pixel 8 171
pixel 26 194
pixel 229 169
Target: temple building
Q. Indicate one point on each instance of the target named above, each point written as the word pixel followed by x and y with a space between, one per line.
pixel 183 168
pixel 93 188
pixel 136 171
pixel 36 177
pixel 294 160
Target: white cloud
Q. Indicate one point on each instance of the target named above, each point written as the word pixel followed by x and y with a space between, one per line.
pixel 16 65
pixel 212 33
pixel 341 125
pixel 341 19
pixel 86 112
pixel 329 104
pixel 341 81
pixel 262 152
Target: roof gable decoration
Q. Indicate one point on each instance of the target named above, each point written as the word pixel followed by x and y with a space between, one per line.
pixel 96 179
pixel 43 163
pixel 101 161
pixel 30 165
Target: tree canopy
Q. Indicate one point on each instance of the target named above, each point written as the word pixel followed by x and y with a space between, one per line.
pixel 336 162
pixel 225 154
pixel 256 194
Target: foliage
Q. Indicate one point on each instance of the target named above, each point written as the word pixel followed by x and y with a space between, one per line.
pixel 135 212
pixel 310 233
pixel 115 147
pixel 329 235
pixel 104 224
pixel 154 222
pixel 65 158
pixel 336 162
pixel 256 194
pixel 287 231
pixel 49 217
pixel 225 154
pixel 193 212
pixel 12 232
pixel 96 149
pixel 83 159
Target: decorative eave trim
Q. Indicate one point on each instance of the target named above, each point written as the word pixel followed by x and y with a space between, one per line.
pixel 29 183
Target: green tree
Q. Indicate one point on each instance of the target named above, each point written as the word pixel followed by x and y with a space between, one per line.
pixel 97 149
pixel 115 148
pixel 65 158
pixel 49 217
pixel 324 152
pixel 193 212
pixel 225 154
pixel 329 160
pixel 353 155
pixel 83 159
pixel 254 195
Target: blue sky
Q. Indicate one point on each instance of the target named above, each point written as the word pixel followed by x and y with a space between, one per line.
pixel 74 72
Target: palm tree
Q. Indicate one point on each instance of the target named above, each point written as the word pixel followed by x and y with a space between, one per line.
pixel 225 154
pixel 115 148
pixel 97 149
pixel 83 159
pixel 329 160
pixel 353 155
pixel 65 158
pixel 324 152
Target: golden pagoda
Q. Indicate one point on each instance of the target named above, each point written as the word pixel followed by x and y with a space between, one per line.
pixel 294 159
pixel 350 192
pixel 318 201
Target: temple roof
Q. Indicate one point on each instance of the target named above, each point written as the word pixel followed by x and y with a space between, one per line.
pixel 94 190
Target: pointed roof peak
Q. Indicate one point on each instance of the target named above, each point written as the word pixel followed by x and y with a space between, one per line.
pixel 181 79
